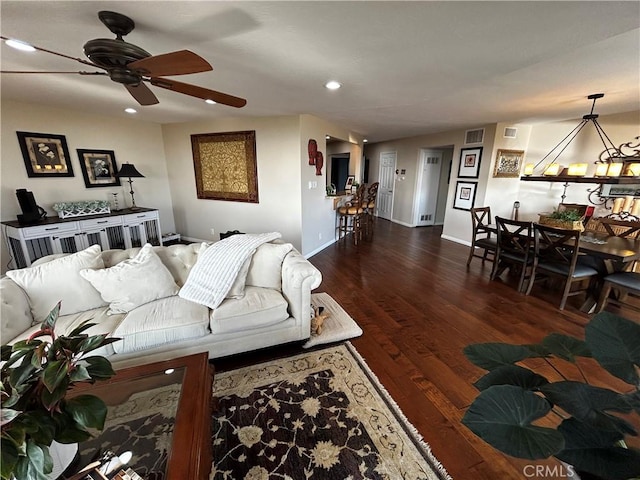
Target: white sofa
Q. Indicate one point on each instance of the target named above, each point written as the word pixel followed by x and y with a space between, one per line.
pixel 270 307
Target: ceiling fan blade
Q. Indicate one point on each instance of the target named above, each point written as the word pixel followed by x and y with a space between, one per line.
pixel 142 94
pixel 199 92
pixel 40 49
pixel 73 72
pixel 175 63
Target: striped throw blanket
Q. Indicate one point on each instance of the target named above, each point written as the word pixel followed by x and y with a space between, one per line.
pixel 217 267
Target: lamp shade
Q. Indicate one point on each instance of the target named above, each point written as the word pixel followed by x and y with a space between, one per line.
pixel 129 170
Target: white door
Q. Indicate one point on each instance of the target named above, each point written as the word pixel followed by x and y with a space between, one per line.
pixel 428 180
pixel 384 201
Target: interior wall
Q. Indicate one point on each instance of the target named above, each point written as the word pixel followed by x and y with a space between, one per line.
pixel 279 180
pixel 132 141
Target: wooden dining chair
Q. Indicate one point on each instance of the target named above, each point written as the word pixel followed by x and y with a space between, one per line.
pixel 556 253
pixel 515 244
pixel 620 228
pixel 481 235
pixel 625 285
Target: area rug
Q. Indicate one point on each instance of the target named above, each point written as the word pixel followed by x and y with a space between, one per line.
pixel 318 415
pixel 337 327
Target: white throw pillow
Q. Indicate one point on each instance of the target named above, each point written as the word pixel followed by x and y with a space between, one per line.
pixel 134 282
pixel 60 280
pixel 237 289
pixel 266 265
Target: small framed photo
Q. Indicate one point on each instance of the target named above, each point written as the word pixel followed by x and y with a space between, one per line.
pixel 465 195
pixel 99 168
pixel 45 154
pixel 508 163
pixel 469 166
pixel 349 183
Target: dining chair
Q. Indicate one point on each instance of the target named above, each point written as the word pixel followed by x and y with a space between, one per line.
pixel 370 208
pixel 625 284
pixel 620 228
pixel 556 253
pixel 515 244
pixel 351 216
pixel 481 237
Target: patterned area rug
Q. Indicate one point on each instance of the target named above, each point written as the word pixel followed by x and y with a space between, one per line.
pixel 318 415
pixel 337 327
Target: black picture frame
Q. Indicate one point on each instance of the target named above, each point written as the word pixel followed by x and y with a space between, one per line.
pixel 465 195
pixel 99 168
pixel 469 165
pixel 45 154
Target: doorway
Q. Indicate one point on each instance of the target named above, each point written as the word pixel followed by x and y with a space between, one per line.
pixel 428 181
pixel 385 191
pixel 339 170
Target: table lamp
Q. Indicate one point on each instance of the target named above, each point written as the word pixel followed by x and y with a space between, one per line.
pixel 129 171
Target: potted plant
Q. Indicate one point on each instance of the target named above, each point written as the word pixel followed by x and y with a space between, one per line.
pixel 568 219
pixel 583 425
pixel 36 376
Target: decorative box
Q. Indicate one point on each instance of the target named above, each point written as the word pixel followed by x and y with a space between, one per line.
pixel 81 209
pixel 565 224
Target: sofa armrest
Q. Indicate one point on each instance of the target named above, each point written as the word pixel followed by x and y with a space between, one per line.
pixel 299 277
pixel 15 313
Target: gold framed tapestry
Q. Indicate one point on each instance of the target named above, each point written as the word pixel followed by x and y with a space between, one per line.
pixel 225 166
pixel 508 163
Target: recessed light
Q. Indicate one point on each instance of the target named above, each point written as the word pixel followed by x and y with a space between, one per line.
pixel 210 102
pixel 130 110
pixel 365 140
pixel 20 45
pixel 333 85
pixel 328 137
pixel 169 371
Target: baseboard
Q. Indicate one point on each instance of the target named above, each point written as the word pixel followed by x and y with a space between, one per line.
pixel 403 223
pixel 196 240
pixel 456 240
pixel 319 249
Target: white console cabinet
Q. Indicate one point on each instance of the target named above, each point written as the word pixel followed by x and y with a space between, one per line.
pixel 122 229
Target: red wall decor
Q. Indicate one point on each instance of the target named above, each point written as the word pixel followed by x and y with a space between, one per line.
pixel 313 150
pixel 319 163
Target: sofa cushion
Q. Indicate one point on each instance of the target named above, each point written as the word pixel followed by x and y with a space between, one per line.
pixel 59 280
pixel 259 307
pixel 161 322
pixel 15 314
pixel 266 265
pixel 104 323
pixel 133 282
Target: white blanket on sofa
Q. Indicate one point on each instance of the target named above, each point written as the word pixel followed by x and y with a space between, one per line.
pixel 213 274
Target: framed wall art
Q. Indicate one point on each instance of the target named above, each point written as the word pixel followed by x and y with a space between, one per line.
pixel 469 166
pixel 45 154
pixel 226 166
pixel 508 163
pixel 465 195
pixel 99 168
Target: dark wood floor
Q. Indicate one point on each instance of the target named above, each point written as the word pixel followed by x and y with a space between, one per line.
pixel 419 306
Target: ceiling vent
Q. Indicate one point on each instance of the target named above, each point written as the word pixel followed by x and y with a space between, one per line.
pixel 510 132
pixel 474 136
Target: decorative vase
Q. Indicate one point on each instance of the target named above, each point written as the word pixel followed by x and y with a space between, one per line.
pixel 319 163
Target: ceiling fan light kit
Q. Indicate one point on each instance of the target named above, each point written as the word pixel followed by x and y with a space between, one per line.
pixel 134 67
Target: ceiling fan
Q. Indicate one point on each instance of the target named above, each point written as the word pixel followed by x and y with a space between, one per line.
pixel 134 67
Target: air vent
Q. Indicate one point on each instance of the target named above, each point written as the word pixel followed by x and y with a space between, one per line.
pixel 425 218
pixel 474 136
pixel 510 132
pixel 433 160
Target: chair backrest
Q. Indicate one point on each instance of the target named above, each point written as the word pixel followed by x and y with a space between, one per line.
pixel 514 237
pixel 372 192
pixel 480 217
pixel 619 228
pixel 556 245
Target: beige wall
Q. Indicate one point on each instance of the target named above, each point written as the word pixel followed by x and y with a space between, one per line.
pixel 132 141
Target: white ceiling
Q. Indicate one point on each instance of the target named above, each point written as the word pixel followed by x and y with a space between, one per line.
pixel 407 68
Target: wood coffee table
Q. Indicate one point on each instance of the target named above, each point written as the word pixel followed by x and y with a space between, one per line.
pixel 181 387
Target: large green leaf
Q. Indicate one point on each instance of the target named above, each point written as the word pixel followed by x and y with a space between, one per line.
pixel 99 367
pixel 79 374
pixel 88 411
pixel 8 457
pixel 511 375
pixel 502 416
pixel 7 414
pixel 51 399
pixel 36 464
pixel 590 404
pixel 615 344
pixel 22 372
pixel 49 323
pixel 594 451
pixel 565 347
pixel 55 373
pixel 494 355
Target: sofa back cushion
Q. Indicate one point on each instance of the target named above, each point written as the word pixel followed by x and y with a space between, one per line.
pixel 59 280
pixel 15 314
pixel 266 265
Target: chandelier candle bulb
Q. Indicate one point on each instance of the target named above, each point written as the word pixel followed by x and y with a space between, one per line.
pixel 617 205
pixel 633 170
pixel 552 169
pixel 528 169
pixel 578 169
pixel 601 169
pixel 614 170
pixel 626 206
pixel 635 210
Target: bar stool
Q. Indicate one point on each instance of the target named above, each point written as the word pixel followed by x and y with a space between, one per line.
pixel 370 208
pixel 351 216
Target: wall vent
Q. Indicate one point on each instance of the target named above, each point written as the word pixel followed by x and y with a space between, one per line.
pixel 510 132
pixel 425 218
pixel 474 136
